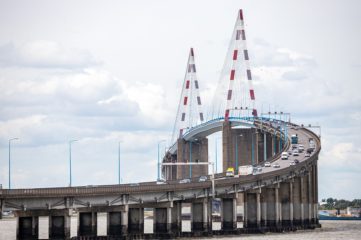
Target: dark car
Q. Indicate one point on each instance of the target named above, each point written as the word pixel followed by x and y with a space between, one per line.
pixel 296 161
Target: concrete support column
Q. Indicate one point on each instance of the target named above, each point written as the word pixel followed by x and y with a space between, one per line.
pixel 124 220
pixel 310 197
pixel 285 203
pixel 200 216
pixel 87 224
pixel 291 202
pixel 305 204
pixel 316 193
pixel 264 146
pixel 136 220
pixel 176 220
pixel 114 226
pixel 252 210
pixel 160 220
pixel 28 228
pixel 271 215
pixel 228 214
pixel 59 227
pixel 258 199
pixel 296 198
pixel 1 208
pixel 277 207
pixel 264 207
pixel 245 212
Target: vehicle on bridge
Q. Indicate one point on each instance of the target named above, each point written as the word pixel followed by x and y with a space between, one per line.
pixel 294 139
pixel 284 156
pixel 230 172
pixel 245 170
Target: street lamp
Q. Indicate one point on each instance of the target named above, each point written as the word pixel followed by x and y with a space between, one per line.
pixel 158 165
pixel 70 142
pixel 119 162
pixel 10 140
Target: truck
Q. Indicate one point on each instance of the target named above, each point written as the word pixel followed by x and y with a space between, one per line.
pixel 284 156
pixel 245 170
pixel 230 172
pixel 294 139
pixel 311 143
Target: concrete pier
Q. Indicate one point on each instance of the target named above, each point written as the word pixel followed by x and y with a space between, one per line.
pixel 136 220
pixel 229 214
pixel 87 224
pixel 114 227
pixel 27 228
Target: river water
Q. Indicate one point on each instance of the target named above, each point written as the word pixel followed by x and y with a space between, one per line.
pixel 331 230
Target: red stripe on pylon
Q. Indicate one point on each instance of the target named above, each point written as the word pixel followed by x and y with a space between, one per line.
pixel 226 115
pixel 240 14
pixel 235 53
pixel 185 101
pixel 232 74
pixel 251 93
pixel 187 84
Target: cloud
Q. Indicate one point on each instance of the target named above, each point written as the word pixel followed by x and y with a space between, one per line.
pixel 45 54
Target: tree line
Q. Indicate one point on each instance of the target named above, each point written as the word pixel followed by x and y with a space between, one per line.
pixel 333 203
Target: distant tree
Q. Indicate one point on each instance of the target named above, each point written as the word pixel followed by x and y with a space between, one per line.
pixel 342 204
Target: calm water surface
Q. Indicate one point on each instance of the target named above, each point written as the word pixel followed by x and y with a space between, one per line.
pixel 330 230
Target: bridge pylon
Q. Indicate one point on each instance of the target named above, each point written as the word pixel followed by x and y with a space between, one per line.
pixel 235 95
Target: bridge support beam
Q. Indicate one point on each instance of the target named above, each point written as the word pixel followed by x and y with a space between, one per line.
pixel 253 209
pixel 124 220
pixel 28 228
pixel 200 220
pixel 87 224
pixel 229 214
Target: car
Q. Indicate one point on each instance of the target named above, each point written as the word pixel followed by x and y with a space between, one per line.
pixel 259 169
pixel 307 155
pixel 296 161
pixel 134 184
pixel 276 165
pixel 294 146
pixel 186 180
pixel 267 164
pixel 292 163
pixel 202 179
pixel 290 152
pixel 295 153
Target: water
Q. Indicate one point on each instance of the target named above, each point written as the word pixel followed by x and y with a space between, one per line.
pixel 331 230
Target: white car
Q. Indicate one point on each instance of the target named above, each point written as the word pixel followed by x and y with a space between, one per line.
pixel 307 155
pixel 267 164
pixel 186 180
pixel 276 165
pixel 295 153
pixel 292 163
pixel 202 179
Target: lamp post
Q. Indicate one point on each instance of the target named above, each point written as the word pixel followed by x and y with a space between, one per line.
pixel 70 177
pixel 10 140
pixel 158 165
pixel 119 162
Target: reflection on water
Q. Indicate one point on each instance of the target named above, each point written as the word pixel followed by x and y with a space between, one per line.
pixel 331 230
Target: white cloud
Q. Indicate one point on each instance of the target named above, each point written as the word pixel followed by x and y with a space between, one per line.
pixel 45 54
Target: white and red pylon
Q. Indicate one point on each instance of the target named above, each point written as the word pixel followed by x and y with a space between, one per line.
pixel 190 105
pixel 235 97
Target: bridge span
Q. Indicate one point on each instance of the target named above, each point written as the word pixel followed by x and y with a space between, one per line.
pixel 276 199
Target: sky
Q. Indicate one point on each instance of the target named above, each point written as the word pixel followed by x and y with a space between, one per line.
pixel 109 73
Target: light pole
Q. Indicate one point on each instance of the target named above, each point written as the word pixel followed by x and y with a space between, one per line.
pixel 70 142
pixel 10 140
pixel 119 162
pixel 158 165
